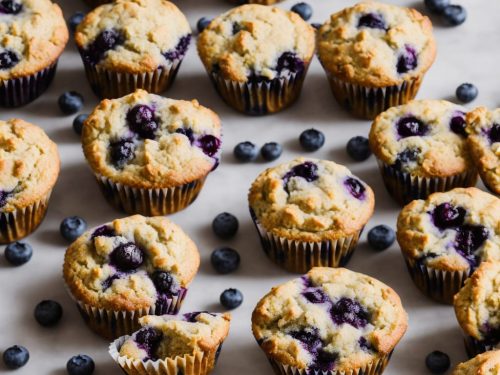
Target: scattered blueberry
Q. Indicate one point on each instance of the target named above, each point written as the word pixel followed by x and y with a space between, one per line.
pixel 225 260
pixel 454 15
pixel 165 282
pixel 436 6
pixel 8 59
pixel 78 123
pixel 437 362
pixel 72 227
pixel 48 313
pixel 231 298
pixel 202 23
pixel 15 357
pixel 18 253
pixel 381 237
pixel 246 151
pixel 225 225
pixel 80 365
pixel 312 139
pixel 304 10
pixel 70 102
pixel 271 151
pixel 75 20
pixel 127 257
pixel 467 92
pixel 358 148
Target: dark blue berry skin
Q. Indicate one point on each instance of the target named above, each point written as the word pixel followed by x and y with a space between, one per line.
pixel 225 260
pixel 15 357
pixel 349 311
pixel 307 171
pixel 231 298
pixel 18 253
pixel 407 60
pixel 246 152
pixel 372 21
pixel 80 365
pixel 454 15
pixel 141 120
pixel 165 283
pixel 127 257
pixel 458 124
pixel 78 123
pixel 225 225
pixel 209 144
pixel 70 102
pixel 290 62
pixel 105 41
pixel 10 7
pixel 436 6
pixel 121 152
pixel 466 92
pixel 446 215
pixel 437 362
pixel 75 20
pixel 48 313
pixel 316 25
pixel 72 227
pixel 304 10
pixel 202 23
pixel 312 140
pixel 358 148
pixel 8 59
pixel 355 187
pixel 381 237
pixel 411 126
pixel 271 151
pixel 179 50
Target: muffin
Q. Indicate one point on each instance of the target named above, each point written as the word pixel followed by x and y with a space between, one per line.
pixel 129 268
pixel 33 35
pixel 375 56
pixel 189 344
pixel 477 307
pixel 329 321
pixel 29 166
pixel 444 239
pixel 484 364
pixel 483 127
pixel 309 213
pixel 262 2
pixel 421 148
pixel 132 44
pixel 257 57
pixel 151 155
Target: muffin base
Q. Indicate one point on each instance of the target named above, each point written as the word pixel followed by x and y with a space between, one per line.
pixel 474 347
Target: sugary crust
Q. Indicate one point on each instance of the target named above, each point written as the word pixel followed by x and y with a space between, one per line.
pixel 169 160
pixel 29 163
pixel 367 56
pixel 313 211
pixel 38 35
pixel 484 364
pixel 284 309
pixel 165 245
pixel 266 33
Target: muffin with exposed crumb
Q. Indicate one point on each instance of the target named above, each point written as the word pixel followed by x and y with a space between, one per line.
pixel 483 364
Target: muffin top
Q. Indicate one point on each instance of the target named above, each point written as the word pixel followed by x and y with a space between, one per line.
pixel 377 45
pixel 452 231
pixel 168 337
pixel 425 138
pixel 483 127
pixel 131 264
pixel 256 43
pixel 484 364
pixel 29 164
pixel 33 34
pixel 330 318
pixel 133 36
pixel 148 141
pixel 311 200
pixel 477 304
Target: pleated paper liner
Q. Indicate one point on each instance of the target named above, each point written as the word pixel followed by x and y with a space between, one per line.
pixel 404 187
pixel 20 91
pixel 150 202
pixel 474 347
pixel 18 224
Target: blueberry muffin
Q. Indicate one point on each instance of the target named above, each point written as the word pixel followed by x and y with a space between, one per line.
pixel 444 239
pixel 151 154
pixel 477 307
pixel 257 57
pixel 483 127
pixel 484 364
pixel 329 321
pixel 421 148
pixel 262 2
pixel 375 55
pixel 129 268
pixel 131 44
pixel 309 213
pixel 189 344
pixel 29 166
pixel 33 35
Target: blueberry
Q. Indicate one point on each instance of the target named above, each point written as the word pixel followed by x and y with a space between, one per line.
pixel 231 298
pixel 290 62
pixel 188 132
pixel 18 253
pixel 209 144
pixel 72 227
pixel 458 124
pixel 80 365
pixel 316 25
pixel 312 140
pixel 225 225
pixel 407 60
pixel 271 151
pixel 141 120
pixel 467 92
pixel 70 102
pixel 105 41
pixel 8 59
pixel 348 311
pixel 4 196
pixel 225 260
pixel 10 7
pixel 358 148
pixel 436 6
pixel 121 152
pixel 315 295
pixel 15 357
pixel 355 187
pixel 446 215
pixel 149 339
pixel 48 313
pixel 454 15
pixel 202 23
pixel 410 126
pixel 179 50
pixel 437 362
pixel 372 21
pixel 381 237
pixel 127 257
pixel 307 171
pixel 406 156
pixel 304 10
pixel 470 238
pixel 309 338
pixel 494 133
pixel 165 282
pixel 236 28
pixel 78 123
pixel 246 151
pixel 75 20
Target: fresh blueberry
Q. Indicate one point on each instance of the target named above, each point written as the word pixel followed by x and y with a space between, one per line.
pixel 410 126
pixel 72 227
pixel 348 311
pixel 18 253
pixel 446 215
pixel 290 62
pixel 271 151
pixel 436 6
pixel 407 60
pixel 231 298
pixel 467 92
pixel 246 151
pixel 458 124
pixel 202 23
pixel 165 282
pixel 225 260
pixel 437 362
pixel 48 313
pixel 141 120
pixel 381 237
pixel 225 225
pixel 304 10
pixel 15 357
pixel 355 187
pixel 10 7
pixel 454 15
pixel 312 140
pixel 8 59
pixel 494 133
pixel 209 144
pixel 127 257
pixel 70 102
pixel 121 152
pixel 358 148
pixel 80 365
pixel 78 123
pixel 372 21
pixel 179 50
pixel 75 20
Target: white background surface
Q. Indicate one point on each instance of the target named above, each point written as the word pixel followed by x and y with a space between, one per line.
pixel 470 52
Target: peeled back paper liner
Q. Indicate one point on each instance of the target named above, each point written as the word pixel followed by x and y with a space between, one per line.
pixel 473 347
